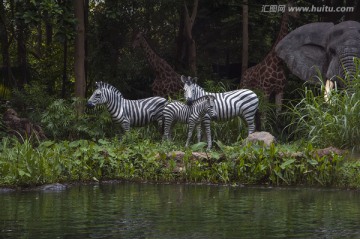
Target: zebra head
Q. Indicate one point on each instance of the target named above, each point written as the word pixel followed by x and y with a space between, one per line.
pixel 211 104
pixel 98 97
pixel 190 93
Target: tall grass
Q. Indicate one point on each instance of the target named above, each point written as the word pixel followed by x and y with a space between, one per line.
pixel 333 123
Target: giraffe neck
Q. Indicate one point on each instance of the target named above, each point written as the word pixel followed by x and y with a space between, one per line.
pixel 157 63
pixel 283 29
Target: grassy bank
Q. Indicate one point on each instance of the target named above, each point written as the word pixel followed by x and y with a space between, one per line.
pixel 85 148
pixel 138 159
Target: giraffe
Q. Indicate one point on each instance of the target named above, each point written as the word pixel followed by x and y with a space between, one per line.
pixel 167 82
pixel 269 74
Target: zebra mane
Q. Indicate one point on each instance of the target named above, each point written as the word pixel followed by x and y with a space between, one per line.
pixel 202 98
pixel 103 85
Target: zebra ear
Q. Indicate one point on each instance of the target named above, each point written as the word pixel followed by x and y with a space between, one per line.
pixel 97 85
pixel 183 79
pixel 194 79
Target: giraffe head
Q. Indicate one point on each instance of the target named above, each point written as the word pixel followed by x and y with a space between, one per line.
pixel 136 40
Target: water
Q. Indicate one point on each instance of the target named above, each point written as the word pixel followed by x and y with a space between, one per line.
pixel 130 210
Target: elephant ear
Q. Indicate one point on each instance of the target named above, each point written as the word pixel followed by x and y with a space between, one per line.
pixel 304 50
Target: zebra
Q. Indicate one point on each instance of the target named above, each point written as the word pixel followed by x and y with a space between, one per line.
pixel 229 104
pixel 201 111
pixel 126 112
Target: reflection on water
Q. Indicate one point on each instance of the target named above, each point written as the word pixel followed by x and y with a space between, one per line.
pixel 129 210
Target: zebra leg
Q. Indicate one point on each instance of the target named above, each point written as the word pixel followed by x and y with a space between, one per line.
pixel 125 126
pixel 251 126
pixel 167 134
pixel 160 125
pixel 167 123
pixel 198 127
pixel 206 122
pixel 190 131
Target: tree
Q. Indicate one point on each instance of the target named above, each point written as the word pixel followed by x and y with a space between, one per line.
pixel 190 42
pixel 80 84
pixel 21 36
pixel 245 48
pixel 5 46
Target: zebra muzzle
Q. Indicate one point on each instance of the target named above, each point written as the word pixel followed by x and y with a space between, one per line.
pixel 90 105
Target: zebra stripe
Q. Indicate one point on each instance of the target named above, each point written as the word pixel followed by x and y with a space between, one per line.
pixel 229 104
pixel 127 113
pixel 199 112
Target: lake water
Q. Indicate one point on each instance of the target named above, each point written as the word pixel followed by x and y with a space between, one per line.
pixel 131 210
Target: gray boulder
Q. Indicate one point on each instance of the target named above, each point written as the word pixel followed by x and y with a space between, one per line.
pixel 261 136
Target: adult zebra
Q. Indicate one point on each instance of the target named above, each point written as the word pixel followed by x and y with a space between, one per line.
pixel 200 112
pixel 127 113
pixel 229 104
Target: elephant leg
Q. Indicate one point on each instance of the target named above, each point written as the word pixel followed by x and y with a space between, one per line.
pixel 329 85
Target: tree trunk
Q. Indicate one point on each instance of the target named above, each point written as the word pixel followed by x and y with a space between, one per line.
pixel 64 78
pixel 80 53
pixel 355 15
pixel 191 46
pixel 48 30
pixel 86 24
pixel 245 35
pixel 21 49
pixel 39 39
pixel 180 51
pixel 4 40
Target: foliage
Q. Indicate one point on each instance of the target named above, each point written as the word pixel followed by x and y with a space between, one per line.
pixel 28 100
pixel 333 123
pixel 137 158
pixel 61 121
pixel 4 92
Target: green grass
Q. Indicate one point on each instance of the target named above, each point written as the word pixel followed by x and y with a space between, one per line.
pixel 333 123
pixel 137 158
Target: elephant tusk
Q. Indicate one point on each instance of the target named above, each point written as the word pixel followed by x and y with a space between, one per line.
pixel 329 85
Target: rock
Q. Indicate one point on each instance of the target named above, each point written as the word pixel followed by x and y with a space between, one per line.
pixel 329 151
pixel 54 187
pixel 21 127
pixel 178 156
pixel 262 136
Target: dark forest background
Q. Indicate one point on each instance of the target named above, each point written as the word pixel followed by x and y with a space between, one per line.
pixel 40 42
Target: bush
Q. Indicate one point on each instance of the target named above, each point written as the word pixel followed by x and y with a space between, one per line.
pixel 333 123
pixel 61 121
pixel 31 101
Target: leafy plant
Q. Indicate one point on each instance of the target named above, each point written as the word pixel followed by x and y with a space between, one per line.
pixel 61 121
pixel 333 123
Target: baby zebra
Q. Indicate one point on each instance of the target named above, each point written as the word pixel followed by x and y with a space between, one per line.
pixel 200 111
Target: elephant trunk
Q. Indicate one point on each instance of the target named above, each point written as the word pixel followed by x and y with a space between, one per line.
pixel 348 66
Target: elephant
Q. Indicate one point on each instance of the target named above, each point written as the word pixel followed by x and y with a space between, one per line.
pixel 322 47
